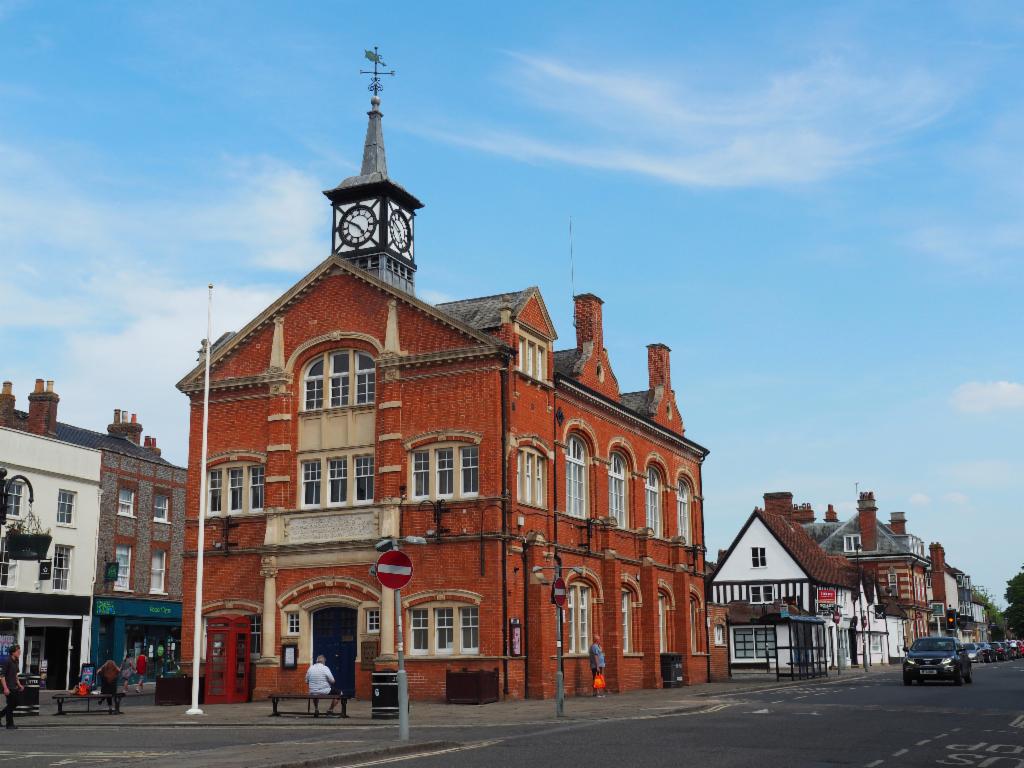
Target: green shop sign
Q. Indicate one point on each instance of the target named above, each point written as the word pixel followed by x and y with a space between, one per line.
pixel 104 608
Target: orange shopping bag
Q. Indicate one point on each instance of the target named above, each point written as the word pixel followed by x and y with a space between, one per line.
pixel 599 683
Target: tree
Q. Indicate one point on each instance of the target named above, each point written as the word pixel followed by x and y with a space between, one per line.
pixel 1015 604
pixel 993 613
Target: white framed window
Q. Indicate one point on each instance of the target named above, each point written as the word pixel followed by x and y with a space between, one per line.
pixel 337 480
pixel 532 357
pixel 578 618
pixel 751 643
pixel 236 491
pixel 653 495
pixel 14 495
pixel 364 478
pixel 894 584
pixel 762 593
pixel 126 502
pixel 157 572
pixel 373 620
pixel 470 456
pixel 876 643
pixel 292 622
pixel 214 490
pixel 257 486
pixel 419 630
pixel 662 623
pixel 314 386
pixel 123 555
pixel 851 542
pixel 445 460
pixel 366 379
pixel 161 508
pixel 617 489
pixel 61 575
pixel 311 484
pixel 757 557
pixel 444 630
pixel 696 627
pixel 683 510
pixel 531 485
pixel 469 620
pixel 626 607
pixel 575 478
pixel 8 567
pixel 65 507
pixel 255 636
pixel 340 364
pixel 719 634
pixel 421 474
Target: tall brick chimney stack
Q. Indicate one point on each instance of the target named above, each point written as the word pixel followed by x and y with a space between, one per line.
pixel 42 409
pixel 802 513
pixel 830 515
pixel 938 554
pixel 7 401
pixel 898 523
pixel 150 445
pixel 659 371
pixel 867 520
pixel 122 426
pixel 589 322
pixel 779 503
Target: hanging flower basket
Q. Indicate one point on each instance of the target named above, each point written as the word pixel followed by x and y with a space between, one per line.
pixel 28 546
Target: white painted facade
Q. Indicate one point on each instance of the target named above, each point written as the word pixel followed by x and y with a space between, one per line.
pixel 51 618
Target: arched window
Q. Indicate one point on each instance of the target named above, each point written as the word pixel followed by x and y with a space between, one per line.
pixel 340 363
pixel 653 488
pixel 575 477
pixel 663 623
pixel 617 489
pixel 696 635
pixel 627 620
pixel 683 510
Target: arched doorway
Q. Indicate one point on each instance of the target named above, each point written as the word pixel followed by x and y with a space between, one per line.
pixel 334 636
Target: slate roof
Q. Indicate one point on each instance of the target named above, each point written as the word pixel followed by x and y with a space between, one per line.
pixel 565 362
pixel 485 311
pixel 101 441
pixel 818 564
pixel 638 402
pixel 830 537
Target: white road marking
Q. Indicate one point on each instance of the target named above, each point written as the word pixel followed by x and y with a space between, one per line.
pixel 922 742
pixel 872 765
pixel 760 712
pixel 418 755
pixel 1018 722
pixel 899 752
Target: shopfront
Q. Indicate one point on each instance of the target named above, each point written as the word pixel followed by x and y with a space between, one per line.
pixel 129 626
pixel 54 640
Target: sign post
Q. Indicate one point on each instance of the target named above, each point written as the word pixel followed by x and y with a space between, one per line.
pixel 394 570
pixel 558 598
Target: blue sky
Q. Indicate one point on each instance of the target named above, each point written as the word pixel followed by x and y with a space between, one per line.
pixel 817 206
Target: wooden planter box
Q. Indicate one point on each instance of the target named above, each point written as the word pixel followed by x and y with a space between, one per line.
pixel 28 546
pixel 476 687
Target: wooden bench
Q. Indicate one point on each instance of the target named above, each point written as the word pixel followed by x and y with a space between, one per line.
pixel 311 699
pixel 111 700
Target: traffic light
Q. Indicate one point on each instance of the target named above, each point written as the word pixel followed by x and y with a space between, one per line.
pixel 951 619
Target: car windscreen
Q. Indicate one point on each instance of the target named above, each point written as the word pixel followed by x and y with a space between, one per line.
pixel 933 644
pixel 970 647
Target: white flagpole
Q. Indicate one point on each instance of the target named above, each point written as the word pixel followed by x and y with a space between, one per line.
pixel 197 629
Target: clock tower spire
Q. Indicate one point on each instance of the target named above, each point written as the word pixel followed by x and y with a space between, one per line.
pixel 373 216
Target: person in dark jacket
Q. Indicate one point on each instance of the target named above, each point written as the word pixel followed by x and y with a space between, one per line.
pixel 108 675
pixel 12 685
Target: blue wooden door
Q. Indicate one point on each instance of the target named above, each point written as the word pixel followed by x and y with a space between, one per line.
pixel 334 636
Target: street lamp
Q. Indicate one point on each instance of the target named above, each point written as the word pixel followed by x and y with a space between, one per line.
pixel 560 673
pixel 386 545
pixel 7 489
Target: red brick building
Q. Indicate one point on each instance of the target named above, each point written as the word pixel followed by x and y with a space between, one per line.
pixel 350 410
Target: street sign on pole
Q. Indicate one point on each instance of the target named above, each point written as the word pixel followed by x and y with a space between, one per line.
pixel 394 569
pixel 836 617
pixel 558 592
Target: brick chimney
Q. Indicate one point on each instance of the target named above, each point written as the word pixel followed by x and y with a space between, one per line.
pixel 42 409
pixel 589 322
pixel 938 554
pixel 123 427
pixel 898 523
pixel 7 405
pixel 830 515
pixel 659 372
pixel 867 520
pixel 802 513
pixel 779 503
pixel 150 445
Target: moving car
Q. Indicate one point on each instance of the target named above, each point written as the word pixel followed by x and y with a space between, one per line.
pixel 986 652
pixel 937 658
pixel 974 652
pixel 1000 651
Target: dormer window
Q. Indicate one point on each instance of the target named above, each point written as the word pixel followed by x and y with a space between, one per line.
pixel 532 357
pixel 851 543
pixel 336 368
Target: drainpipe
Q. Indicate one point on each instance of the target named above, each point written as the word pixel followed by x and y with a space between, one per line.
pixel 526 623
pixel 707 620
pixel 507 360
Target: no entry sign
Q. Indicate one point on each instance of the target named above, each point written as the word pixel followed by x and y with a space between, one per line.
pixel 558 592
pixel 394 569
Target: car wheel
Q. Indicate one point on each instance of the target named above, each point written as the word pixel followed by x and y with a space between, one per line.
pixel 958 678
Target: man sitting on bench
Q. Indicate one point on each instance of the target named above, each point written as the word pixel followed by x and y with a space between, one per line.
pixel 321 681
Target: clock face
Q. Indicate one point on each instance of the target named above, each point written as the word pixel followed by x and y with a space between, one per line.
pixel 357 225
pixel 398 229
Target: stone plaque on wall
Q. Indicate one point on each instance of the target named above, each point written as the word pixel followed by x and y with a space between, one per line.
pixel 343 526
pixel 369 650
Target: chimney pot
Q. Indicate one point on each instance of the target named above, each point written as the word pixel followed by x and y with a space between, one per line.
pixel 898 523
pixel 42 409
pixel 134 419
pixel 8 388
pixel 7 403
pixel 49 385
pixel 39 385
pixel 830 515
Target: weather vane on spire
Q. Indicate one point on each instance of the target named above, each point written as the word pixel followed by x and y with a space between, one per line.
pixel 375 87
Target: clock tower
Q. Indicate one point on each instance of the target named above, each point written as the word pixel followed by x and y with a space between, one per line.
pixel 373 216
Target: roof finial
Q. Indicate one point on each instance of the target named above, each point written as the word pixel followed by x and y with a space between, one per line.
pixel 375 86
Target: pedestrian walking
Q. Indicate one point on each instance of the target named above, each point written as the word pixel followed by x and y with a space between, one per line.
pixel 321 681
pixel 597 666
pixel 140 669
pixel 108 675
pixel 12 685
pixel 127 671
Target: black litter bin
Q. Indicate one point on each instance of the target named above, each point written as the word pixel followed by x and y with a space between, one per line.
pixel 29 702
pixel 384 698
pixel 671 670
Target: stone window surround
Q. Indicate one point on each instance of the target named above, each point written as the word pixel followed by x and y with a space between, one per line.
pixel 223 467
pixel 431 449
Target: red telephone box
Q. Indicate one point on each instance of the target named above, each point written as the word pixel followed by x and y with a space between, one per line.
pixel 227 659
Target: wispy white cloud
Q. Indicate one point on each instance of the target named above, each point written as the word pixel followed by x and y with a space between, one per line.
pixel 920 499
pixel 792 127
pixel 988 396
pixel 985 473
pixel 958 498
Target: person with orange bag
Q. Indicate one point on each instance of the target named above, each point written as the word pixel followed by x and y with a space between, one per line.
pixel 597 666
